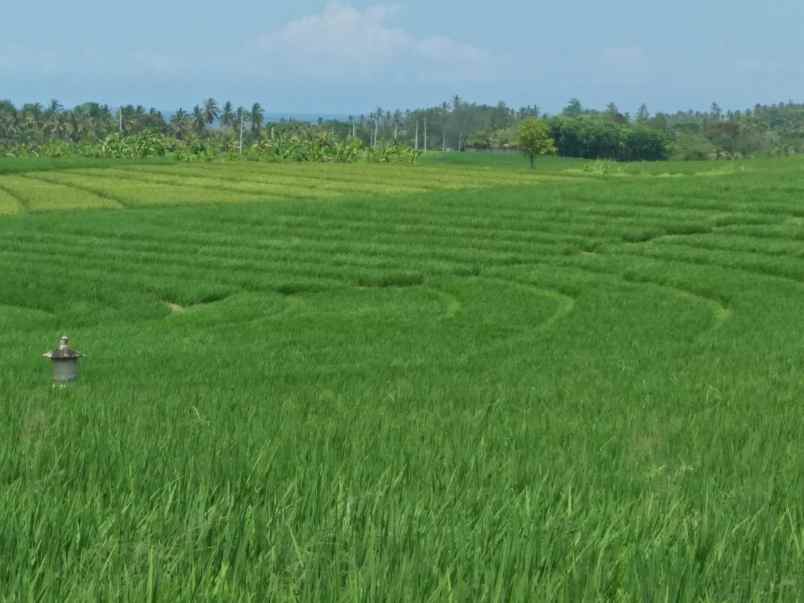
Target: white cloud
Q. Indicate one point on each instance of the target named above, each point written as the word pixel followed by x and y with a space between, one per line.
pixel 343 41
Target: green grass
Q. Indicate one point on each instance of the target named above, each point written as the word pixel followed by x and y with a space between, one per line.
pixel 24 165
pixel 432 383
pixel 498 159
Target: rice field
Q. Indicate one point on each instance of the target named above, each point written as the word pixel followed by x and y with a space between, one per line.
pixel 458 381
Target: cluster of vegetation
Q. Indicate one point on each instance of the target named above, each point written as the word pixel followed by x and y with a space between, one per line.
pixel 584 137
pixel 764 130
pixel 214 130
pixel 475 384
pixel 303 144
pixel 95 131
pixel 775 130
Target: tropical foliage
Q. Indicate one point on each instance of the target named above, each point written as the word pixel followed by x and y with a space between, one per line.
pixel 214 128
pixel 207 132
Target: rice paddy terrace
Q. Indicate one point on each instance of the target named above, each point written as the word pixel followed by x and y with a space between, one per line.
pixel 468 382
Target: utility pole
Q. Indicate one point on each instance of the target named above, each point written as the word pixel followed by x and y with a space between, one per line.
pixel 425 134
pixel 376 130
pixel 242 116
pixel 417 135
pixel 120 115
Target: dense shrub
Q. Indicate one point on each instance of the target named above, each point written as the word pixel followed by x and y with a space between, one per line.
pixel 593 137
pixel 589 137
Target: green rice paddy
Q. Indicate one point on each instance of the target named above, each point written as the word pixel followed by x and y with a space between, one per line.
pixel 457 381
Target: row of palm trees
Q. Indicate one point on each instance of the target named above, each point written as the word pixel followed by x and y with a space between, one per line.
pixel 34 123
pixel 448 125
pixel 210 114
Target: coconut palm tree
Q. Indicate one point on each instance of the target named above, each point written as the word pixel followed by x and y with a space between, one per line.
pixel 180 123
pixel 53 109
pixel 228 116
pixel 257 117
pixel 199 120
pixel 211 111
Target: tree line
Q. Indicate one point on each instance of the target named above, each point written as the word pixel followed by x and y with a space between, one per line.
pixel 761 130
pixel 578 131
pixel 208 131
pixel 455 125
pixel 34 123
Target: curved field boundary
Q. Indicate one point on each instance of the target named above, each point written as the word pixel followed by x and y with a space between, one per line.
pixel 720 312
pixel 13 201
pixel 773 271
pixel 89 200
pixel 275 183
pixel 290 182
pixel 289 303
pixel 565 307
pixel 69 180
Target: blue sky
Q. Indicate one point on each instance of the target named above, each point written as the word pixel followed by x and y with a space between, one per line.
pixel 351 56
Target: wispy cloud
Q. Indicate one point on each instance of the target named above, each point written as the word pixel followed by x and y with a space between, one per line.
pixel 341 43
pixel 344 41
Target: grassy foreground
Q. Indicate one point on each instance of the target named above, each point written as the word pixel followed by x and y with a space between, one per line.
pixel 432 383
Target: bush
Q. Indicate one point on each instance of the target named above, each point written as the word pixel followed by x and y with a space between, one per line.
pixel 595 137
pixel 693 147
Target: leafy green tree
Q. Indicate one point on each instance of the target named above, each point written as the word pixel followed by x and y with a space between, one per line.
pixel 692 147
pixel 642 143
pixel 535 139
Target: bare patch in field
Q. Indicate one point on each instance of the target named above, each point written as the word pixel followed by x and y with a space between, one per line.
pixel 175 308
